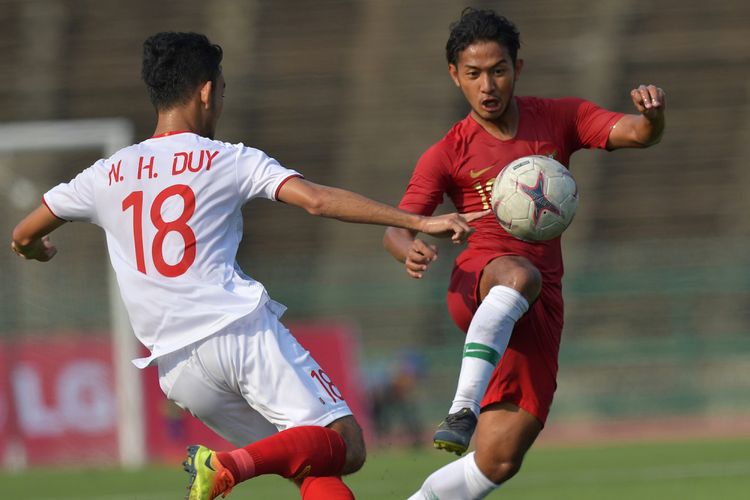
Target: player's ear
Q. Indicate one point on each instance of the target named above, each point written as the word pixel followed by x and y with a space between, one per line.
pixel 518 67
pixel 205 92
pixel 453 71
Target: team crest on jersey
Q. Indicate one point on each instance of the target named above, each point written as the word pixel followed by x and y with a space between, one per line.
pixel 484 189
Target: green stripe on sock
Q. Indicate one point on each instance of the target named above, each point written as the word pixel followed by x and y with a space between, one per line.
pixel 481 351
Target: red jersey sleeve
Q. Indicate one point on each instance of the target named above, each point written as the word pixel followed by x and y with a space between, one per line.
pixel 429 181
pixel 591 124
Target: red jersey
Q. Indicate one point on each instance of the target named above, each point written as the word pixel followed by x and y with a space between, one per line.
pixel 465 163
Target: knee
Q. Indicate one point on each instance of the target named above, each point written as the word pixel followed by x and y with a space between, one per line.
pixel 515 272
pixel 355 455
pixel 504 471
pixel 351 433
pixel 498 470
pixel 525 278
pixel 529 282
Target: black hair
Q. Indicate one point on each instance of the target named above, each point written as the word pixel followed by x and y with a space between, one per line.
pixel 175 64
pixel 481 26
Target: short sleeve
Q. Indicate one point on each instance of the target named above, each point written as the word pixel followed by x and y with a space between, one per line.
pixel 74 200
pixel 591 123
pixel 428 182
pixel 259 175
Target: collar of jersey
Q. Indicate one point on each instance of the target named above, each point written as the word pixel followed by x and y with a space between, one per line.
pixel 171 132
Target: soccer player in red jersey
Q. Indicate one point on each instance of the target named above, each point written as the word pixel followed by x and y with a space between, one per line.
pixel 501 285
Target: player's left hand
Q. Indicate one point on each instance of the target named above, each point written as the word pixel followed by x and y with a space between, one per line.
pixel 41 249
pixel 419 257
pixel 649 100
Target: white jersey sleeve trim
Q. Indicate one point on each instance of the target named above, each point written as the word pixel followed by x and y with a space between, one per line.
pixel 281 184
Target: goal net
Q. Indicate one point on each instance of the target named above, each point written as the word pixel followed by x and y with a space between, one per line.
pixel 59 320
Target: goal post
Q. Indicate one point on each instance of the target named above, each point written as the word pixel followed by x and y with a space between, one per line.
pixel 107 135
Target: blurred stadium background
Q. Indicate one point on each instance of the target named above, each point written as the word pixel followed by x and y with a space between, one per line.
pixel 657 287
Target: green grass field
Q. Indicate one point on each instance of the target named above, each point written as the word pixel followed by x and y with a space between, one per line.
pixel 710 470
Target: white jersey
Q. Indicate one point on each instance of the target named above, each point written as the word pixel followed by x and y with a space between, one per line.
pixel 170 207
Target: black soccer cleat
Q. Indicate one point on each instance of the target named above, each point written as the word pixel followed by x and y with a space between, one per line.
pixel 454 433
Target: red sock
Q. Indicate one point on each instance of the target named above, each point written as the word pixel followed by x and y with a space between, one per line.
pixel 325 488
pixel 293 453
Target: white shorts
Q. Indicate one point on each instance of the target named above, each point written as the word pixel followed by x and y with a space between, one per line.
pixel 250 380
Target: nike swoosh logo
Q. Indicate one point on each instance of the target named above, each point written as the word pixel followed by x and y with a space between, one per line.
pixel 476 174
pixel 304 473
pixel 208 463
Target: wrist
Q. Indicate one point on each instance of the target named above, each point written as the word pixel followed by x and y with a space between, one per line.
pixel 421 224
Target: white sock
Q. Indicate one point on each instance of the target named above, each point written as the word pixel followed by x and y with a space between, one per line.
pixel 459 480
pixel 488 336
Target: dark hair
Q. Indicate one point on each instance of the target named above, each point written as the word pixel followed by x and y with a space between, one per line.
pixel 481 26
pixel 175 64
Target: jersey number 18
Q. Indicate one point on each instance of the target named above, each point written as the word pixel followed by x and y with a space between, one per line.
pixel 179 225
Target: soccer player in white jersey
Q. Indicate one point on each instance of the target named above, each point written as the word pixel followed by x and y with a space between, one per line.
pixel 170 208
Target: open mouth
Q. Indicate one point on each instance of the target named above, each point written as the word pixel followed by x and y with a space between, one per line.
pixel 490 104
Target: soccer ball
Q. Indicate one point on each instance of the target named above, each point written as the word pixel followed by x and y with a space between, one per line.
pixel 534 198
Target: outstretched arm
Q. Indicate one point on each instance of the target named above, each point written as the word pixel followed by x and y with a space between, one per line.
pixel 30 239
pixel 347 206
pixel 644 129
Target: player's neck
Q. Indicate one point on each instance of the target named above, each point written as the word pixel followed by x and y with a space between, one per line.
pixel 503 127
pixel 176 120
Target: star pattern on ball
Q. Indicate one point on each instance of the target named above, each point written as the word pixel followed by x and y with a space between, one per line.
pixel 541 202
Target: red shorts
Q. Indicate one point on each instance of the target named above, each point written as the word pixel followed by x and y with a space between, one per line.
pixel 527 373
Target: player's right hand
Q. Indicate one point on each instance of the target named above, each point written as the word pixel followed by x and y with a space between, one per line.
pixel 420 256
pixel 41 249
